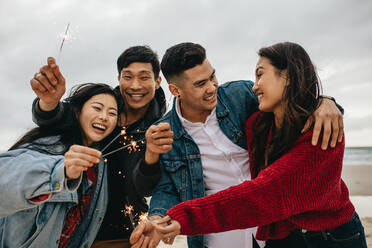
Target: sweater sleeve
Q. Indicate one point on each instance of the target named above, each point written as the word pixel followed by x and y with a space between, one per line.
pixel 145 177
pixel 58 118
pixel 301 180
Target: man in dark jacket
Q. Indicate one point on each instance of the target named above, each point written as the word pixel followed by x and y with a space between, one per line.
pixel 143 103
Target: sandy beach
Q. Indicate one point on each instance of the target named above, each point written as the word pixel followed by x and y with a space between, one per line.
pixel 359 181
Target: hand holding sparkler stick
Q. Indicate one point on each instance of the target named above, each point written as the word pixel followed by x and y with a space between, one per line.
pixel 49 85
pixel 149 233
pixel 159 140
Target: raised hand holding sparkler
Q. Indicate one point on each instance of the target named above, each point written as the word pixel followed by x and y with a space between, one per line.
pixel 49 85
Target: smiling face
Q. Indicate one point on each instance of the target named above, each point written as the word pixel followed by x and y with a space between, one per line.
pixel 269 87
pixel 197 91
pixel 137 86
pixel 98 118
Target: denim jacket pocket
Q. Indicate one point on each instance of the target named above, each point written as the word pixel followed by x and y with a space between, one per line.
pixel 177 172
pixel 27 218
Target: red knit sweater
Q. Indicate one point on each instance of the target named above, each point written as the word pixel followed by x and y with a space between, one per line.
pixel 302 189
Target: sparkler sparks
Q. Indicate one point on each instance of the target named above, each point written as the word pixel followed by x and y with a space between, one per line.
pixel 132 146
pixel 128 209
pixel 143 217
pixel 65 36
pixel 68 35
pixel 122 133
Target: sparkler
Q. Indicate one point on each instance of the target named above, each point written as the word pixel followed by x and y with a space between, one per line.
pixel 143 217
pixel 135 219
pixel 65 36
pixel 132 147
pixel 122 133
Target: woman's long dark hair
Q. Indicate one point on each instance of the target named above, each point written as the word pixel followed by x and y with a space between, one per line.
pixel 70 133
pixel 300 99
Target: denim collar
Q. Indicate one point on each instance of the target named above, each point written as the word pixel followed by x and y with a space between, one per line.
pixel 221 112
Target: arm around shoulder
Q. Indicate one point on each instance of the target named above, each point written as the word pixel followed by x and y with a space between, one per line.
pixel 59 117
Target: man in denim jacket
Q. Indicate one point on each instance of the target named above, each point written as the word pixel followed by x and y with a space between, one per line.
pixel 209 143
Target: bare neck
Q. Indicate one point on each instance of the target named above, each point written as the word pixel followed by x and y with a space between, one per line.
pixel 193 115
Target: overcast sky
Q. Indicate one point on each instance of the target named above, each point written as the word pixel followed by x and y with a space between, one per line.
pixel 336 33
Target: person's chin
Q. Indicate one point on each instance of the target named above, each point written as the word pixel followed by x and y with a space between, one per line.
pixel 137 105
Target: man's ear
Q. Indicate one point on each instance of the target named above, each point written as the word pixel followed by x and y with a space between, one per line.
pixel 157 83
pixel 174 89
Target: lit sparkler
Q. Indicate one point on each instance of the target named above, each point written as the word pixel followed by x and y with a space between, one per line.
pixel 128 209
pixel 143 217
pixel 132 146
pixel 122 133
pixel 64 38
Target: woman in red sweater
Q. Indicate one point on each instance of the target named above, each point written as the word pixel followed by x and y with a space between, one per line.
pixel 296 195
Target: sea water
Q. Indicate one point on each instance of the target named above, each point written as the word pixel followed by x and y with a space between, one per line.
pixel 358 156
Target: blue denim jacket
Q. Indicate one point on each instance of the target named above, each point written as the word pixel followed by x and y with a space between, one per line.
pixel 28 172
pixel 182 177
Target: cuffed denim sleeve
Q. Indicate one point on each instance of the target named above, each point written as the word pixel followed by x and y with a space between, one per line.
pixel 27 174
pixel 71 185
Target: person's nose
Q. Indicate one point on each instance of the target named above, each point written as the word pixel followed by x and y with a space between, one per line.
pixel 212 86
pixel 103 116
pixel 136 85
pixel 255 86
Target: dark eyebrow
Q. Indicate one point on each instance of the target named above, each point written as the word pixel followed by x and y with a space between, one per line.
pixel 114 109
pixel 199 81
pixel 104 105
pixel 140 72
pixel 98 103
pixel 260 67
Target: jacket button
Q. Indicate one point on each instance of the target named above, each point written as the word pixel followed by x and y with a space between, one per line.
pixel 198 180
pixel 56 185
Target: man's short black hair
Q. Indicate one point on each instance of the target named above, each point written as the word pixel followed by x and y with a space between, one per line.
pixel 143 54
pixel 181 57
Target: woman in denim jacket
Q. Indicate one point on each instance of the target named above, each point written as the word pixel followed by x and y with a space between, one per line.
pixel 53 185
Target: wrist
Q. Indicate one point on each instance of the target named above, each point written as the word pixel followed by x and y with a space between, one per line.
pixel 151 158
pixel 46 107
